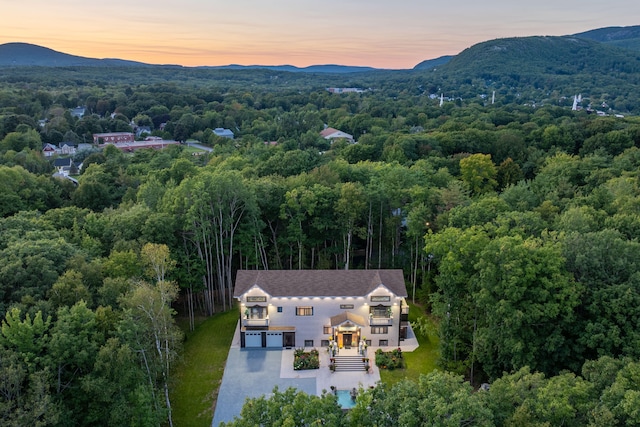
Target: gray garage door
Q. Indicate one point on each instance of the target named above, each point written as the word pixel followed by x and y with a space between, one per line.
pixel 274 339
pixel 253 339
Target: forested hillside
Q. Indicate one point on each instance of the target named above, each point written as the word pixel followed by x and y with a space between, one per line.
pixel 626 37
pixel 517 224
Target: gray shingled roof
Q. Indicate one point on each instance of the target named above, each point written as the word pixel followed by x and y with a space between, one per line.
pixel 319 283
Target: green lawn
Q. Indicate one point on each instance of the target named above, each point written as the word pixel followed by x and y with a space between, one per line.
pixel 189 149
pixel 421 361
pixel 197 376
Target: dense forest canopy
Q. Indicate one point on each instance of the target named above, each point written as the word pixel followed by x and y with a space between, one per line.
pixel 517 224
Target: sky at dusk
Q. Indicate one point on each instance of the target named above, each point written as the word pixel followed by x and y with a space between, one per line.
pixel 392 34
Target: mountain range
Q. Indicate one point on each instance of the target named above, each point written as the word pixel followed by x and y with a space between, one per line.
pixel 534 48
pixel 28 55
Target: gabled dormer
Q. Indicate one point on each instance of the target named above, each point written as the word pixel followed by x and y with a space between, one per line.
pixel 383 306
pixel 254 307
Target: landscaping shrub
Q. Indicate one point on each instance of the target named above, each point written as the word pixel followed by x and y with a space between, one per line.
pixel 389 359
pixel 305 360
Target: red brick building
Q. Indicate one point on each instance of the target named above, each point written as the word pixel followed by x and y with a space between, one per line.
pixel 113 138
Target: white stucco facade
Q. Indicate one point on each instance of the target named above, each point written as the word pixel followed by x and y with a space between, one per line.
pixel 377 315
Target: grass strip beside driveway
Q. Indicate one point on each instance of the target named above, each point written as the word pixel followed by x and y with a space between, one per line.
pixel 197 376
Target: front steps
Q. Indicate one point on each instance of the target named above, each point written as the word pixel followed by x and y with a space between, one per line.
pixel 349 364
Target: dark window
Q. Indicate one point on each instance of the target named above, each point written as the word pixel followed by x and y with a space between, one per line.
pixel 384 343
pixel 308 343
pixel 279 309
pixel 324 343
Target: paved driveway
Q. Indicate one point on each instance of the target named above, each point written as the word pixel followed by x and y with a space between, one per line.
pixel 252 373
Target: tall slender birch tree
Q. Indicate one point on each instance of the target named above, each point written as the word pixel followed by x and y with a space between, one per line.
pixel 221 200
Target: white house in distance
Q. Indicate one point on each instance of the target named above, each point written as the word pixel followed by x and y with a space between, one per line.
pixel 304 308
pixel 332 134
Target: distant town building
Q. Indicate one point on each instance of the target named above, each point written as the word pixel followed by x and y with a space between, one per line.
pixel 141 130
pixel 345 90
pixel 65 167
pixel 78 112
pixel 224 133
pixel 68 148
pixel 154 143
pixel 113 138
pixel 331 134
pixel 49 150
pixel 65 149
pixel 577 100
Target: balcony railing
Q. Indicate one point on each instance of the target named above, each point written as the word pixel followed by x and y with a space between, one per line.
pixel 255 322
pixel 380 321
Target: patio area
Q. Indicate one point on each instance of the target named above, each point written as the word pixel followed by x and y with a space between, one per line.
pixel 325 378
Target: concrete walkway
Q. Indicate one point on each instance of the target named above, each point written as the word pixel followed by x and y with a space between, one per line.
pixel 255 372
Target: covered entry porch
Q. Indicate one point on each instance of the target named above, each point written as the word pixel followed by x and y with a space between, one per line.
pixel 347 329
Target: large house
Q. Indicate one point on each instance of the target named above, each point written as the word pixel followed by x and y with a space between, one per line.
pixel 308 308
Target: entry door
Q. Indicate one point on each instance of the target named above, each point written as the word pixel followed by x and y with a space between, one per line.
pixel 346 340
pixel 289 339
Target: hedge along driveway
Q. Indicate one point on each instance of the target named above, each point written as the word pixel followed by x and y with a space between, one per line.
pixel 197 376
